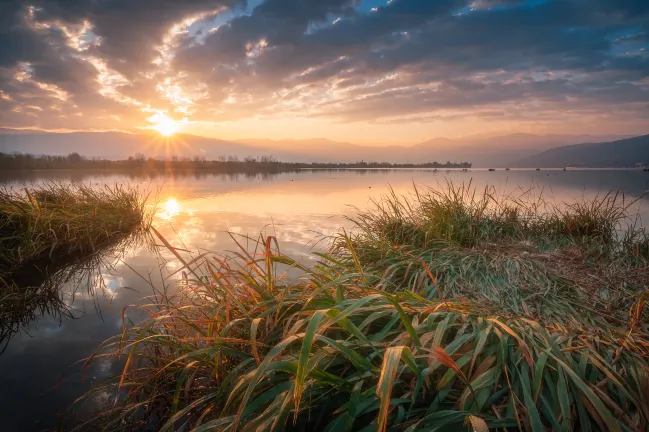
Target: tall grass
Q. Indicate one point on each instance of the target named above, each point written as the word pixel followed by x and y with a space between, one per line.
pixel 57 220
pixel 55 234
pixel 520 255
pixel 448 311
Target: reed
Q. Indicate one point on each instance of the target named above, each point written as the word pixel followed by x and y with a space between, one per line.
pixel 57 234
pixel 445 311
pixel 57 221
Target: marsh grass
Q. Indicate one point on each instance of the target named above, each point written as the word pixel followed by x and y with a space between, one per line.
pixel 57 234
pixel 520 255
pixel 61 221
pixel 449 310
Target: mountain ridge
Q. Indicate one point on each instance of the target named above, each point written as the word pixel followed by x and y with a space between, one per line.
pixel 628 152
pixel 486 151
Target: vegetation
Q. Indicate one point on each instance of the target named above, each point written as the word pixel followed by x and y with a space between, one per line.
pixel 448 310
pixel 55 234
pixel 18 161
pixel 54 220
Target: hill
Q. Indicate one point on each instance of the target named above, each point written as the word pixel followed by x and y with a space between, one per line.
pixel 621 153
pixel 483 151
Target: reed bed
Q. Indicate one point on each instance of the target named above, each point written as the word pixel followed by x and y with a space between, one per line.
pixel 55 234
pixel 450 310
pixel 59 220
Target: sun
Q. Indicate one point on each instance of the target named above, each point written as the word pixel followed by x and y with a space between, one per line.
pixel 163 124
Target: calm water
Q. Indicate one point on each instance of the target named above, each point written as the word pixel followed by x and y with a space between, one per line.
pixel 38 375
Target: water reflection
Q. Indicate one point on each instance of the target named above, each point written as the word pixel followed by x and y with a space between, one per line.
pixel 51 290
pixel 170 208
pixel 196 213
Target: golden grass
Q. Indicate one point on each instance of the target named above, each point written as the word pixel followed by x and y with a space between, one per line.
pixel 444 313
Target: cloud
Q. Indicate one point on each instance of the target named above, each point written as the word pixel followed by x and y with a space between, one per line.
pixel 419 52
pixel 387 62
pixel 91 51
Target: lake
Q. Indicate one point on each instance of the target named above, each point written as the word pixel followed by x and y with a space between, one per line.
pixel 40 375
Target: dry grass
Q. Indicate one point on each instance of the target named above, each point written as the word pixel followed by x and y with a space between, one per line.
pixel 62 220
pixel 447 312
pixel 52 234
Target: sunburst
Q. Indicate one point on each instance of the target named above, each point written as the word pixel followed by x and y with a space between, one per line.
pixel 163 124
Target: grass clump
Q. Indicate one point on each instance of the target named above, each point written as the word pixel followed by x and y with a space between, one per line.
pixel 52 234
pixel 56 221
pixel 439 313
pixel 521 256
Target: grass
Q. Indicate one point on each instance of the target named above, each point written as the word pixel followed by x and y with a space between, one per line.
pixel 452 310
pixel 519 255
pixel 54 220
pixel 48 234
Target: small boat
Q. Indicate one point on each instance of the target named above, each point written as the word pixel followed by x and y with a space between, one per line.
pixel 492 169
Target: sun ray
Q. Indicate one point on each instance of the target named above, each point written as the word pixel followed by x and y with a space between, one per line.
pixel 163 124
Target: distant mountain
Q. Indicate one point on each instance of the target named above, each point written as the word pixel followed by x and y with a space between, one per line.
pixel 312 150
pixel 120 145
pixel 621 153
pixel 500 151
pixel 481 150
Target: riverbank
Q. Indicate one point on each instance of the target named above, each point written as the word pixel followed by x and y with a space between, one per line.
pixel 443 309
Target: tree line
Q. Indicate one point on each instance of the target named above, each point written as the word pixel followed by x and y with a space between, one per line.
pixel 23 162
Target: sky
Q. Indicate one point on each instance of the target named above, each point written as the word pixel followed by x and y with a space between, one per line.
pixel 361 71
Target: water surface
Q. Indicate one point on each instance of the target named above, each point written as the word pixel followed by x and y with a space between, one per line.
pixel 38 374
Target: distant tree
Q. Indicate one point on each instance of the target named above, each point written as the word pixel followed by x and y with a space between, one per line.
pixel 267 159
pixel 75 157
pixel 231 164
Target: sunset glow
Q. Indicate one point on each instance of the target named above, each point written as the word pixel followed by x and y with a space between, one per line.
pixel 358 71
pixel 163 124
pixel 170 209
pixel 218 183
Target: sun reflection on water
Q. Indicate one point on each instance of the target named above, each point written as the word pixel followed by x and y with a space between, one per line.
pixel 170 209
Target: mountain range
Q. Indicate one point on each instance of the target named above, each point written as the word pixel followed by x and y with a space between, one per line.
pixel 621 153
pixel 483 151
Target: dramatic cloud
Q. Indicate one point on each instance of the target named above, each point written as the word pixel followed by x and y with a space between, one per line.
pixel 113 64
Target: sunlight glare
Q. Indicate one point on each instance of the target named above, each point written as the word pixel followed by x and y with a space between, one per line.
pixel 165 125
pixel 171 208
